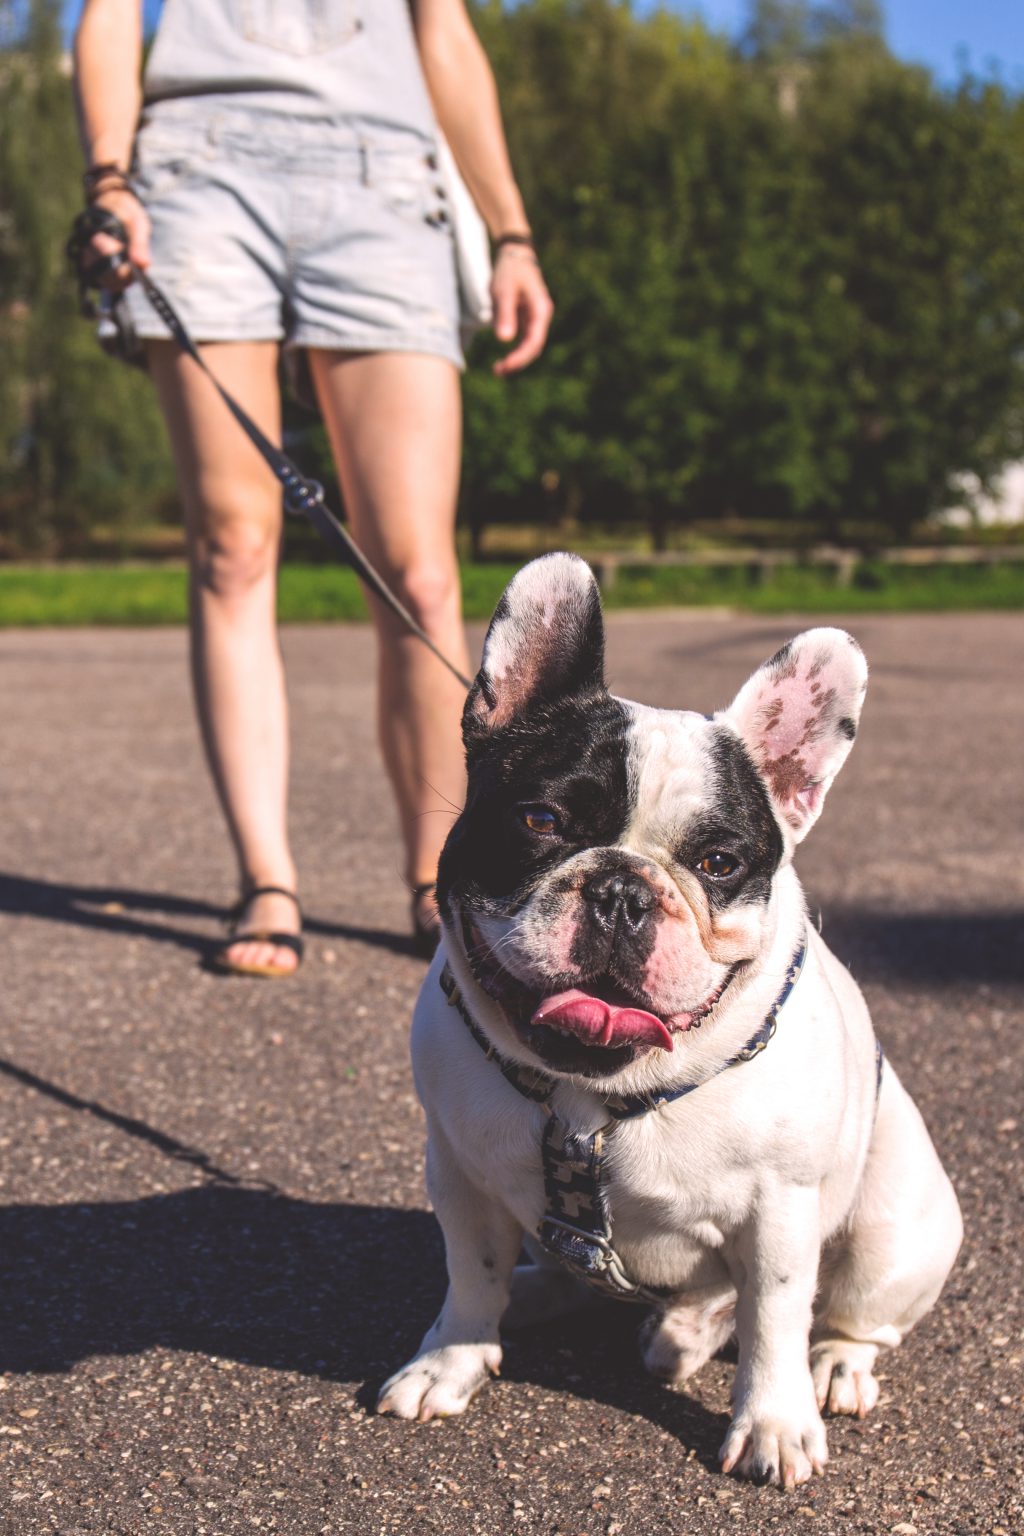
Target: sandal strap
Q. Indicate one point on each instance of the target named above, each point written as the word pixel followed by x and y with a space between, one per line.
pixel 292 941
pixel 271 890
pixel 251 892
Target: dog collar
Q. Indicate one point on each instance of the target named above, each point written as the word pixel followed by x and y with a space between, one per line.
pixel 576 1227
pixel 538 1086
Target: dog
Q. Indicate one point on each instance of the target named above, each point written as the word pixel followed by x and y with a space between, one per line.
pixel 634 1051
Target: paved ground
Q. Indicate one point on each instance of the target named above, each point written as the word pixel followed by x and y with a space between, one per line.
pixel 213 1236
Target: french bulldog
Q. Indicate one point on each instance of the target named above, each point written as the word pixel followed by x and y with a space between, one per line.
pixel 635 1052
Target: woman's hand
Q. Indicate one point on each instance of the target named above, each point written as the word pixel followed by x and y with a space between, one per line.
pixel 465 98
pixel 522 306
pixel 127 208
pixel 108 59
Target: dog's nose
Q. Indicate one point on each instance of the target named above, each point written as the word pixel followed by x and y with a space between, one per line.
pixel 614 896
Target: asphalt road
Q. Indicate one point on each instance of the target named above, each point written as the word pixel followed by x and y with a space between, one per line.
pixel 214 1241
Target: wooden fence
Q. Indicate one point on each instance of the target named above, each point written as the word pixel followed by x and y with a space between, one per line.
pixel 762 562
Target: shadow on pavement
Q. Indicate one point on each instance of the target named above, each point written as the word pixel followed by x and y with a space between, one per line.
pixel 246 1274
pixel 340 1292
pixel 170 1146
pixel 114 909
pixel 927 947
pixel 254 1275
pixel 596 1355
pixel 908 946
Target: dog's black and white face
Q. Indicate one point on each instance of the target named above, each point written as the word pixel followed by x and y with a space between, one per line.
pixel 612 872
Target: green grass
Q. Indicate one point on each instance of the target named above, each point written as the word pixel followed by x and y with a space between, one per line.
pixel 100 594
pixel 876 588
pixel 126 594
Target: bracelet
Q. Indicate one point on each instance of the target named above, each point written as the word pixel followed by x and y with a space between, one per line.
pixel 99 172
pixel 111 180
pixel 513 238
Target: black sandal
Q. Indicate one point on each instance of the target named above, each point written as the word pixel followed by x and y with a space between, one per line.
pixel 425 936
pixel 219 960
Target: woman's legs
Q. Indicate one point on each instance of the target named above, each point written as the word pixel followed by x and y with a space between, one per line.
pixel 395 425
pixel 233 521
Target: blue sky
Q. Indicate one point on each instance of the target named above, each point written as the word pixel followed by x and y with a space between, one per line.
pixel 931 32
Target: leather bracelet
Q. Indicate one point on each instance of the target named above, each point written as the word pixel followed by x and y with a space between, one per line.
pixel 99 171
pixel 111 182
pixel 514 238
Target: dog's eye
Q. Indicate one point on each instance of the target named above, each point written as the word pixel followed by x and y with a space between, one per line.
pixel 539 819
pixel 718 865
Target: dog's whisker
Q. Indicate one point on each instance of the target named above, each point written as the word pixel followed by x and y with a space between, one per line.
pixel 441 795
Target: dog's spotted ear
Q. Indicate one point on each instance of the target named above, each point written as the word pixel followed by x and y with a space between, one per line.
pixel 545 643
pixel 797 717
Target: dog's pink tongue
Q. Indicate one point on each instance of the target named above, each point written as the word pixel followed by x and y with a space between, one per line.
pixel 599 1023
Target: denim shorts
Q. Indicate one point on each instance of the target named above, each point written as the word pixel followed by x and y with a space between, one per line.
pixel 317 233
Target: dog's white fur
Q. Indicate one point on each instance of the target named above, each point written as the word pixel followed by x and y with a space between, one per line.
pixel 776 1202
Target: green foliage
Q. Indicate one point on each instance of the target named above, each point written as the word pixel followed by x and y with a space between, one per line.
pixel 311 594
pixel 780 31
pixel 787 276
pixel 81 442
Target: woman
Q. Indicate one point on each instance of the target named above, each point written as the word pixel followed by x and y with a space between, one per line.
pixel 285 185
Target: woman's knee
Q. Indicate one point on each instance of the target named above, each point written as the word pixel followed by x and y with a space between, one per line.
pixel 430 591
pixel 234 552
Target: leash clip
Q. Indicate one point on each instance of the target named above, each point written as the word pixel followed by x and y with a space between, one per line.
pixel 301 496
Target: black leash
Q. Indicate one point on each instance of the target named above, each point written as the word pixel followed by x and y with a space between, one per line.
pixel 302 496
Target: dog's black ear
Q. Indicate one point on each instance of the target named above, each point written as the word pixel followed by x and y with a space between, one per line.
pixel 797 717
pixel 545 643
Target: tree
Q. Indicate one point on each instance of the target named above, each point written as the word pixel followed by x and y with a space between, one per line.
pixel 918 225
pixel 802 304
pixel 788 281
pixel 81 444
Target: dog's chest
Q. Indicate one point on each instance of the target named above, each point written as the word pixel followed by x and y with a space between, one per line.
pixel 674 1186
pixel 670 1206
pixel 674 1202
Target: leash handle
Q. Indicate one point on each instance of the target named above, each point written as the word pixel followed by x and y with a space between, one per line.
pixel 92 221
pixel 303 496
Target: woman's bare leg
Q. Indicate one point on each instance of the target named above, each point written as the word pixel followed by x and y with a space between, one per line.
pixel 233 521
pixel 395 424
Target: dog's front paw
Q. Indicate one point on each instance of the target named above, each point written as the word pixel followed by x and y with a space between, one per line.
pixel 843 1382
pixel 782 1449
pixel 439 1382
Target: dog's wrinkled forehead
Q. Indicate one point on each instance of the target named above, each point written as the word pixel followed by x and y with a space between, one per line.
pixel 671 762
pixel 685 766
pixel 694 785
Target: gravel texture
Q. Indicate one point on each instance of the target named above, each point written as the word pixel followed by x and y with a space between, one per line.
pixel 214 1241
